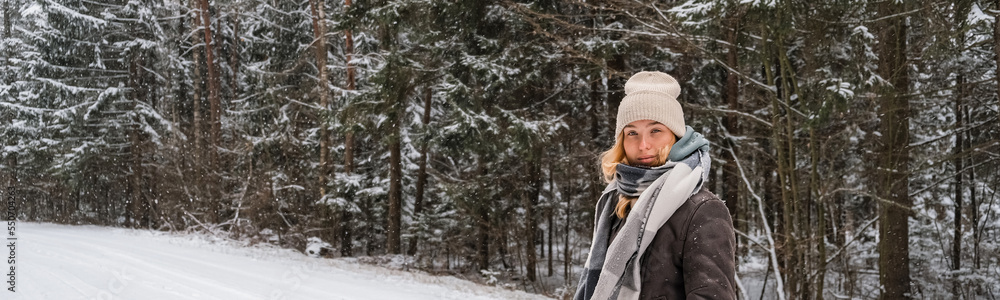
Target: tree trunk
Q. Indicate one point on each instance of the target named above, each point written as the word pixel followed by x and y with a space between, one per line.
pixel 418 202
pixel 346 237
pixel 892 186
pixel 503 244
pixel 730 172
pixel 816 196
pixel 198 131
pixel 395 186
pixel 786 248
pixel 346 232
pixel 348 51
pixel 962 9
pixel 483 247
pixel 798 215
pixel 215 125
pixel 956 246
pixel 996 46
pixel 135 210
pixel 135 179
pixel 319 52
pixel 213 85
pixel 6 19
pixel 974 201
pixel 394 92
pixel 196 161
pixel 974 205
pixel 530 199
pixel 567 258
pixel 482 224
pixel 5 53
pixel 12 179
pixel 551 212
pixel 234 55
pixel 395 134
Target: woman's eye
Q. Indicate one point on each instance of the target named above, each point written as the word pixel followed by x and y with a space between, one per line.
pixel 656 131
pixel 631 133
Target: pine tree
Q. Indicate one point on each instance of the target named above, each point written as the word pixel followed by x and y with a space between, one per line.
pixel 893 191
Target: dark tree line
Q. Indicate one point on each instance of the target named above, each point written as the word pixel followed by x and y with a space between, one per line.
pixel 856 143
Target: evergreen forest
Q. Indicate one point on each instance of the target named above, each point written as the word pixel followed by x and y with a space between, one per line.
pixel 855 143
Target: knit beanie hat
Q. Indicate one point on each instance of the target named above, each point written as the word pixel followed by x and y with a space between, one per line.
pixel 651 96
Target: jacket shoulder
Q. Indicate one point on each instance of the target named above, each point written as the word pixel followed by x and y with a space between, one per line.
pixel 704 201
pixel 704 195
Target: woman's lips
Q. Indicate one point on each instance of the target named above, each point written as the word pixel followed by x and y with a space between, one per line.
pixel 647 159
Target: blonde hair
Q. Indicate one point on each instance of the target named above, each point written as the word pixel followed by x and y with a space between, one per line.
pixel 612 157
pixel 609 163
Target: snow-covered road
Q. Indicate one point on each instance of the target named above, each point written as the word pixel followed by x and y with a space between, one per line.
pixel 89 262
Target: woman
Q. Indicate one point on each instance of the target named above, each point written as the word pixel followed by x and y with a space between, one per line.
pixel 657 233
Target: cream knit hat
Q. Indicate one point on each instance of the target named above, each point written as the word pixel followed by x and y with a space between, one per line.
pixel 651 96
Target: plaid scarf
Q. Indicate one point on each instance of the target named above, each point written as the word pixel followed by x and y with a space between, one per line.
pixel 612 271
pixel 632 181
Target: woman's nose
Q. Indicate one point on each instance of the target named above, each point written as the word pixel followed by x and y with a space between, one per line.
pixel 644 144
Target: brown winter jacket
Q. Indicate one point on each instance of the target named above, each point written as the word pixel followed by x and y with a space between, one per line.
pixel 693 256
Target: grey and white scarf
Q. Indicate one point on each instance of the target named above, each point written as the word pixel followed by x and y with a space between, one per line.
pixel 631 181
pixel 612 271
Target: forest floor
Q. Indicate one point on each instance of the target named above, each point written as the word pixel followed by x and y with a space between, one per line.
pixel 91 262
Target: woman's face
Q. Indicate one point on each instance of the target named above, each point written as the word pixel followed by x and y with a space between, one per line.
pixel 647 143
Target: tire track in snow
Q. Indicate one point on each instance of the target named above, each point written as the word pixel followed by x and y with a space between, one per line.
pixel 75 283
pixel 170 274
pixel 89 262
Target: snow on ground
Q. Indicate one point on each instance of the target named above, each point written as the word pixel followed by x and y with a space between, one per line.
pixel 90 262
